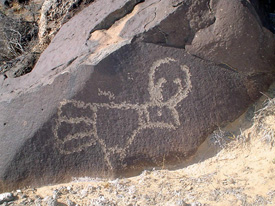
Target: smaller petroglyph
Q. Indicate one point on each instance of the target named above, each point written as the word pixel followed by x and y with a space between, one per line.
pixel 108 94
pixel 130 77
pixel 25 123
pixel 146 117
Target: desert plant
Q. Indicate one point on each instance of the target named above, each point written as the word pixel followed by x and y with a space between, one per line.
pixel 264 121
pixel 218 138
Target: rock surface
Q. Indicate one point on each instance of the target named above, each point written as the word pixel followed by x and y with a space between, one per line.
pixel 55 13
pixel 219 173
pixel 111 96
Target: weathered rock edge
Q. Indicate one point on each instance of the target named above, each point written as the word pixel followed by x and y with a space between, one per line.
pixel 68 74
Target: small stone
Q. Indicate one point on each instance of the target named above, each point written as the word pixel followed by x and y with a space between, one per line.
pixel 56 194
pixel 52 202
pixel 180 202
pixel 196 204
pixel 37 202
pixel 70 203
pixel 189 187
pixel 6 197
pixel 83 193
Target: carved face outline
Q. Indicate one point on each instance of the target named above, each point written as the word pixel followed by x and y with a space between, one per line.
pixel 148 118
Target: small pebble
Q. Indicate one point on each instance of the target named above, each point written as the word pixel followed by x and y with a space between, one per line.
pixel 70 203
pixel 196 204
pixel 6 197
pixel 52 202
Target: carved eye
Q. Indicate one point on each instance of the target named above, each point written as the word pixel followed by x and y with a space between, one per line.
pixel 161 114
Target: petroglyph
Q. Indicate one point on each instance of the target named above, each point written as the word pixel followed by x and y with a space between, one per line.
pixel 151 114
pixel 108 94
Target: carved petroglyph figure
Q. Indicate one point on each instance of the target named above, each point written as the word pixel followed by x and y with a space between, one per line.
pixel 155 89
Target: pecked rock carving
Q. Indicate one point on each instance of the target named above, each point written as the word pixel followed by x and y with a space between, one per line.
pixel 142 110
pixel 121 86
pixel 125 115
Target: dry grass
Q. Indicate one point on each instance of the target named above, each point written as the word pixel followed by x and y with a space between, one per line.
pixel 264 122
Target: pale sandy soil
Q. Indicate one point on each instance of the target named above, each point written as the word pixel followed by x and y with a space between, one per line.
pixel 227 170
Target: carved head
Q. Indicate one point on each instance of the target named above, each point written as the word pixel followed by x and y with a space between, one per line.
pixel 156 85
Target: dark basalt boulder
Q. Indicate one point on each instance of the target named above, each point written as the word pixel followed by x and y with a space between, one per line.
pixel 121 87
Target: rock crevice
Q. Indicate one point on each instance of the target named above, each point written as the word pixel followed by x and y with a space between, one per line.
pixel 118 14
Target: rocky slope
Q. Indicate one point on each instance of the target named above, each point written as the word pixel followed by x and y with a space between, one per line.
pixel 234 166
pixel 120 88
